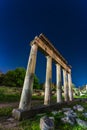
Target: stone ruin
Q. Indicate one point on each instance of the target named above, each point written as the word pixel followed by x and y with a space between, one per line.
pixel 43 44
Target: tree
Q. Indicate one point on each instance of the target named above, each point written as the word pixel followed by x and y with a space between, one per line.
pixel 36 84
pixel 19 76
pixel 14 78
pixel 2 78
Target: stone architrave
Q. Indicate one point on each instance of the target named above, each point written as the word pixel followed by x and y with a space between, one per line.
pixel 65 85
pixel 25 102
pixel 58 83
pixel 48 81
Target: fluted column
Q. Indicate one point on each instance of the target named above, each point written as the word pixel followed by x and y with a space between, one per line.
pixel 48 81
pixel 58 83
pixel 65 85
pixel 70 87
pixel 25 102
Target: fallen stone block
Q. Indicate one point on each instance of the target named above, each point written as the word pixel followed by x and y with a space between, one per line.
pixel 70 120
pixel 47 123
pixel 81 123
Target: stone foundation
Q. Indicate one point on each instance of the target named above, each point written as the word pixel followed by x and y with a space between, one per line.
pixel 20 114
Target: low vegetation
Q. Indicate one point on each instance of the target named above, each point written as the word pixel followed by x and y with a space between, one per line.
pixel 6 111
pixel 14 79
pixel 8 94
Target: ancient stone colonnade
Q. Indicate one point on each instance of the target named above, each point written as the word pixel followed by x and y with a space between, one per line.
pixel 43 44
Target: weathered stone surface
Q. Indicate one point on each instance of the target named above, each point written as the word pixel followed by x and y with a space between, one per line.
pixel 81 122
pixel 70 87
pixel 70 113
pixel 48 82
pixel 54 112
pixel 47 123
pixel 60 111
pixel 68 119
pixel 58 83
pixel 10 119
pixel 78 108
pixel 66 109
pixel 25 101
pixel 21 115
pixel 85 114
pixel 66 96
pixel 70 116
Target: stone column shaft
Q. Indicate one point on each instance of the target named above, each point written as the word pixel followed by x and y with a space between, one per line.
pixel 25 102
pixel 58 83
pixel 48 81
pixel 70 87
pixel 65 85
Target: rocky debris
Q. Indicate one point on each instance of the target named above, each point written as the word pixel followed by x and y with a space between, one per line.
pixel 60 111
pixel 54 112
pixel 72 118
pixel 47 123
pixel 70 113
pixel 78 108
pixel 68 119
pixel 81 123
pixel 11 119
pixel 85 114
pixel 66 109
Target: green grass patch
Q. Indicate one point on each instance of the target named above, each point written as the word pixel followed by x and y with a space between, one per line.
pixel 83 96
pixel 32 124
pixel 34 97
pixel 8 94
pixel 11 94
pixel 6 111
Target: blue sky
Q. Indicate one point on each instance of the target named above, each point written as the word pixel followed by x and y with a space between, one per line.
pixel 63 22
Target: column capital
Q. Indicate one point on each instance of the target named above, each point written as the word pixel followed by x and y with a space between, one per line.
pixel 63 69
pixel 69 71
pixel 33 41
pixel 48 56
pixel 57 64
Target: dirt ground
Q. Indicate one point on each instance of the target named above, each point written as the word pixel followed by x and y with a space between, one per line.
pixel 8 122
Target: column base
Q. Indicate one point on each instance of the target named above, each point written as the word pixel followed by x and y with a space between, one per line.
pixel 19 114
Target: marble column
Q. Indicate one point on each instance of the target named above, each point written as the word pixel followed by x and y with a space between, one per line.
pixel 48 81
pixel 70 87
pixel 58 83
pixel 65 80
pixel 25 101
